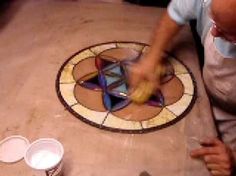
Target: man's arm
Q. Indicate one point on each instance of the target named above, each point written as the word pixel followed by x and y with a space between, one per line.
pixel 166 30
pixel 145 75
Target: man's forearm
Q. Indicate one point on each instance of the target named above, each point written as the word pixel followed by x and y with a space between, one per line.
pixel 165 31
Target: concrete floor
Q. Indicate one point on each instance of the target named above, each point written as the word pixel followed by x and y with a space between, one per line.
pixel 36 37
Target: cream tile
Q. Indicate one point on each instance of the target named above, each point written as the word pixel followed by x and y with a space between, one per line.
pixel 83 55
pixel 66 74
pixel 67 93
pixel 91 115
pixel 187 82
pixel 137 47
pixel 103 47
pixel 115 122
pixel 180 106
pixel 145 49
pixel 163 117
pixel 178 67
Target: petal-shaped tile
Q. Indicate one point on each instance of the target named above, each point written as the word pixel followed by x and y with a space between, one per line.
pixel 168 73
pixel 84 67
pixel 120 54
pixel 90 99
pixel 172 90
pixel 134 112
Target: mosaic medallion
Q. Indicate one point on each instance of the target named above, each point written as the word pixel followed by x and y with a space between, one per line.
pixel 93 85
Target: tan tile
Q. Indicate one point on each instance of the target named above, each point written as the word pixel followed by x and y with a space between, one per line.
pixel 90 115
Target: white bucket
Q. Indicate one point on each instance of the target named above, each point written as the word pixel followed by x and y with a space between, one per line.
pixel 44 156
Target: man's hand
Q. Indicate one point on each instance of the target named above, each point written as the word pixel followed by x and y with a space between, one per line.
pixel 217 156
pixel 144 80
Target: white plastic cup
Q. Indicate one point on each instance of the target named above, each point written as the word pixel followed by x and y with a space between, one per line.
pixel 45 156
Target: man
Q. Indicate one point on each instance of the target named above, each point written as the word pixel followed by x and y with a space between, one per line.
pixel 216 25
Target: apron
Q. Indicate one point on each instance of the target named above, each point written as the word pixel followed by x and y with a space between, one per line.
pixel 219 75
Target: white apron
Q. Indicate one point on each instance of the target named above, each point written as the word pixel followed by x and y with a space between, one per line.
pixel 219 75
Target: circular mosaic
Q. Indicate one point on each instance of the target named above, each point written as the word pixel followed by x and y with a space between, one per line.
pixel 92 84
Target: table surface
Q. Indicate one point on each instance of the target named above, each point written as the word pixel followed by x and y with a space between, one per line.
pixel 37 37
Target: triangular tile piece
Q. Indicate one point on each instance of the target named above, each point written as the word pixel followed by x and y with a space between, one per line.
pixel 102 63
pixel 111 80
pixel 114 102
pixel 90 81
pixel 102 81
pixel 156 99
pixel 118 87
pixel 116 70
pixel 118 102
pixel 107 101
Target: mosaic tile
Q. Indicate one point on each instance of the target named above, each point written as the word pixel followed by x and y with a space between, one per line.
pixel 187 82
pixel 178 67
pixel 117 123
pixel 146 49
pixel 67 92
pixel 101 48
pixel 120 54
pixel 66 74
pixel 91 115
pixel 180 106
pixel 163 117
pixel 137 47
pixel 90 81
pixel 82 55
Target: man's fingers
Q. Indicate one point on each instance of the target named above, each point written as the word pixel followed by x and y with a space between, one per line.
pixel 203 151
pixel 210 142
pixel 221 166
pixel 212 159
pixel 220 173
